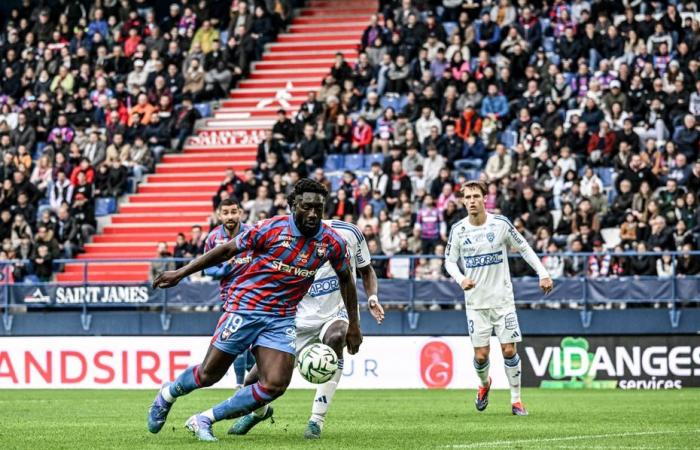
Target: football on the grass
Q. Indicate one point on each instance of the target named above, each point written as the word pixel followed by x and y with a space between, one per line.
pixel 317 363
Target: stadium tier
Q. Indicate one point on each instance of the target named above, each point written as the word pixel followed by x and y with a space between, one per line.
pixel 179 193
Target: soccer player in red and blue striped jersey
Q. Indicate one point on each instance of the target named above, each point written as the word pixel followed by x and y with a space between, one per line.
pixel 229 214
pixel 261 305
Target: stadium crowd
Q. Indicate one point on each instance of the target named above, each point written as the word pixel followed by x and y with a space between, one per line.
pixel 91 95
pixel 581 118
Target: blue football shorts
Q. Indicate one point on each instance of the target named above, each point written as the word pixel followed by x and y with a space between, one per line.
pixel 237 331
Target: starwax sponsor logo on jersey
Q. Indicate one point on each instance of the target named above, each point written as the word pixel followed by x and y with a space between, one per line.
pixel 436 364
pixel 298 271
pixel 324 286
pixel 487 259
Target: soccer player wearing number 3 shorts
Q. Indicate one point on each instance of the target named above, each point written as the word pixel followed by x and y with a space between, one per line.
pixel 480 243
pixel 322 317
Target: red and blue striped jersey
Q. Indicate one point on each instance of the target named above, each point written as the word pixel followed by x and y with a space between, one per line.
pixel 284 263
pixel 226 272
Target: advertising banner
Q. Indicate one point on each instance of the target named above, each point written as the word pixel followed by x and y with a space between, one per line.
pixel 227 136
pixel 146 362
pixel 625 362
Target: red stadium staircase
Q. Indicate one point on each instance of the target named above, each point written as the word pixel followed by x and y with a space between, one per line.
pixel 179 194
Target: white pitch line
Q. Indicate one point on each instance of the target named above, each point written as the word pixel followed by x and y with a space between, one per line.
pixel 566 438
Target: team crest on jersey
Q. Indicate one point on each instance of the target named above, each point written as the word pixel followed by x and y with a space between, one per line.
pixel 321 250
pixel 490 236
pixel 304 257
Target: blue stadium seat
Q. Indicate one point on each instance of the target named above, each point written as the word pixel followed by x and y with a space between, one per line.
pixel 508 138
pixel 334 163
pixel 204 109
pixel 354 162
pixel 449 27
pixel 335 180
pixel 105 206
pixel 390 102
pixel 39 150
pixel 372 158
pixel 131 185
pixel 549 44
pixel 606 175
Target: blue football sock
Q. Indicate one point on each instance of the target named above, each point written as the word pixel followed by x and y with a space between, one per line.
pixel 239 366
pixel 186 382
pixel 246 400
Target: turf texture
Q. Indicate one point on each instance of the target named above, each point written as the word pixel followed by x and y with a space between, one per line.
pixel 406 419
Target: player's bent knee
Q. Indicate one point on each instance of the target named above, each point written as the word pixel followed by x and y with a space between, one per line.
pixel 508 350
pixel 274 389
pixel 336 341
pixel 208 377
pixel 481 354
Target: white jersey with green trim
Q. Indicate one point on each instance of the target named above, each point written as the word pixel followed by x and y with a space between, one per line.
pixel 482 251
pixel 323 300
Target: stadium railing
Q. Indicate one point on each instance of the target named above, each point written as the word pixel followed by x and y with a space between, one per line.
pixel 407 290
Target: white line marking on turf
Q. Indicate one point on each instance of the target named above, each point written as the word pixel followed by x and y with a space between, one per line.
pixel 566 438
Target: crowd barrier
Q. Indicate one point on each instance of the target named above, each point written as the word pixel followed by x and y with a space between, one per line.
pixel 408 294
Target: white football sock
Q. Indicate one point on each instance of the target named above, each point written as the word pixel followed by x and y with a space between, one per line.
pixel 513 373
pixel 209 413
pixel 482 371
pixel 260 412
pixel 324 395
pixel 165 392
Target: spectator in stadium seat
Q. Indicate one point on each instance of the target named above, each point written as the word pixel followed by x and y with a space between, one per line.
pixel 194 80
pixel 262 203
pixel 361 136
pixel 399 182
pixel 5 224
pixel 160 266
pixel 45 237
pixel 498 165
pixel 261 30
pixel 687 137
pixel 688 265
pixel 197 241
pixel 181 249
pixel 311 149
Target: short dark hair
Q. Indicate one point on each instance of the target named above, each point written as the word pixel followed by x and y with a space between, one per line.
pixel 480 185
pixel 229 202
pixel 306 185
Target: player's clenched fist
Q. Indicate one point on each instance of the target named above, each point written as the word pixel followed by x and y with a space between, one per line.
pixel 467 284
pixel 353 338
pixel 546 284
pixel 166 279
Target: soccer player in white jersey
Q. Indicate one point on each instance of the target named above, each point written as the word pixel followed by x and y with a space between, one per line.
pixel 321 317
pixel 480 243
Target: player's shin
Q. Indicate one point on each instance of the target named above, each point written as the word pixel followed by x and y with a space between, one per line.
pixel 482 371
pixel 247 399
pixel 513 373
pixel 324 395
pixel 185 383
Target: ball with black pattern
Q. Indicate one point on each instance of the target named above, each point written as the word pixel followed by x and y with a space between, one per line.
pixel 317 363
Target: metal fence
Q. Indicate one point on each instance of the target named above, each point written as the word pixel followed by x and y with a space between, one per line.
pixel 406 292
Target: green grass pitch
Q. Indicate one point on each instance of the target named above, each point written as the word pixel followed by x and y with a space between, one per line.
pixel 407 419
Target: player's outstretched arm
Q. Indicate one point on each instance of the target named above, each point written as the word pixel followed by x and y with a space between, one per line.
pixel 518 241
pixel 348 290
pixel 211 258
pixel 369 280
